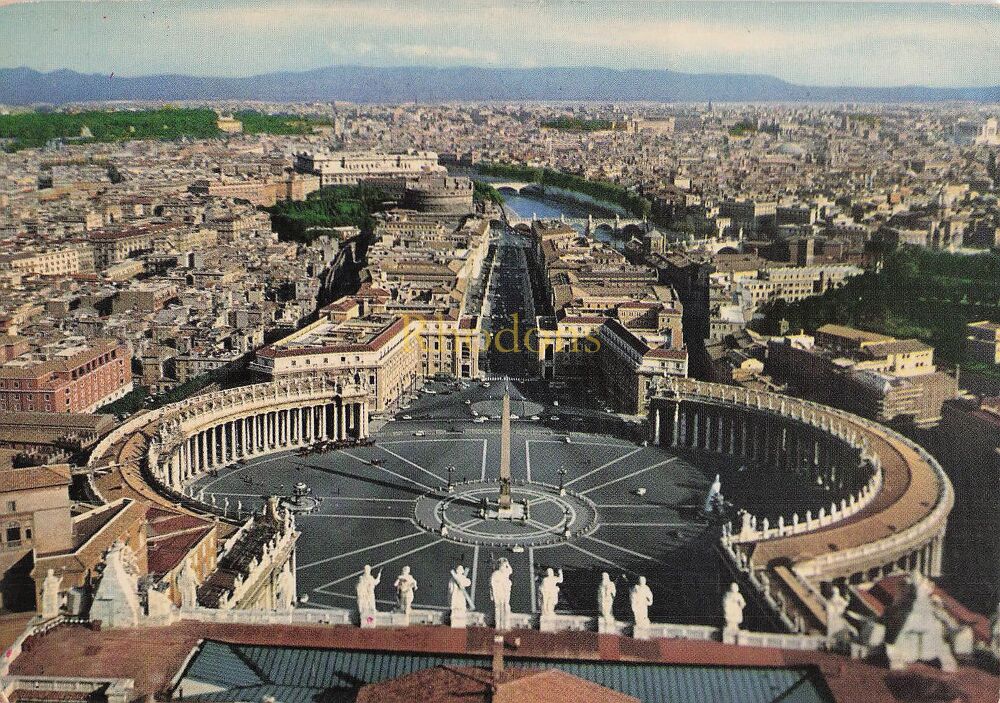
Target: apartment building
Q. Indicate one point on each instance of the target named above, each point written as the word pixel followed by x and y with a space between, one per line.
pixel 72 376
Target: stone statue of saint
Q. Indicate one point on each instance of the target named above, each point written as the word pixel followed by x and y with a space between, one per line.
pixel 548 591
pixel 500 584
pixel 51 598
pixel 365 590
pixel 456 590
pixel 733 604
pixel 836 606
pixel 640 598
pixel 406 586
pixel 187 586
pixel 284 596
pixel 606 593
pixel 714 497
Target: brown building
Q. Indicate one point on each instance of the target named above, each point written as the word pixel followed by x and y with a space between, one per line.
pixel 878 376
pixel 36 519
pixel 75 376
pixel 174 538
pixel 46 438
pixel 92 535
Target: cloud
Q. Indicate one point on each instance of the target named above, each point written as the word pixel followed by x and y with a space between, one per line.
pixel 443 54
pixel 815 42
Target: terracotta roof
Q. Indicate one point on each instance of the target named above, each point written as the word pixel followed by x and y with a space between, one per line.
pixel 152 656
pixel 34 477
pixel 664 353
pixel 452 684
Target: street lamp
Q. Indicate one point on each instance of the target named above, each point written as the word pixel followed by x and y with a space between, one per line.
pixel 562 479
pixel 451 485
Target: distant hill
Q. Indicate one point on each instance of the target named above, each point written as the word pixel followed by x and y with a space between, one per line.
pixel 24 86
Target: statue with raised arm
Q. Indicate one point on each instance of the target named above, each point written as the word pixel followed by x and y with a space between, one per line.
pixel 365 590
pixel 500 586
pixel 406 586
pixel 606 593
pixel 456 590
pixel 733 604
pixel 548 591
pixel 640 598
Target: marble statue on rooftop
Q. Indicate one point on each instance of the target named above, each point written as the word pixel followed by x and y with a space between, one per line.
pixel 836 607
pixel 456 590
pixel 187 586
pixel 923 635
pixel 406 586
pixel 116 600
pixel 284 597
pixel 640 598
pixel 713 499
pixel 733 604
pixel 365 590
pixel 549 591
pixel 500 585
pixel 51 598
pixel 606 593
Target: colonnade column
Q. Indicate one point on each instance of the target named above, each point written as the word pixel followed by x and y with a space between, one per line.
pixel 223 442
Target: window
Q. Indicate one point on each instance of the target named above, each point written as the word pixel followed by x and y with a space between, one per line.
pixel 11 506
pixel 13 532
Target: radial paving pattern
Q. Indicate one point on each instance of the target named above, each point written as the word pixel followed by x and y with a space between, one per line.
pixel 631 510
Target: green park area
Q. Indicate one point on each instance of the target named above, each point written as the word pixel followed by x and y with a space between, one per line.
pixel 913 292
pixel 484 192
pixel 338 206
pixel 36 129
pixel 599 190
pixel 260 123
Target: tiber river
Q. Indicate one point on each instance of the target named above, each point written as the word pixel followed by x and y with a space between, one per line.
pixel 527 205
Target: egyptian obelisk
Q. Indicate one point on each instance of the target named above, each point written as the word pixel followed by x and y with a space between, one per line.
pixel 504 503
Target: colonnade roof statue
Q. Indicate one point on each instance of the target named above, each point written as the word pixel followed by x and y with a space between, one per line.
pixel 733 604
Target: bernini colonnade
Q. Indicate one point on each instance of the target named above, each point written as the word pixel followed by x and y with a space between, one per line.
pixel 215 430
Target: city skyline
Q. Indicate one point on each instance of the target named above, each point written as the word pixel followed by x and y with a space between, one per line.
pixel 828 43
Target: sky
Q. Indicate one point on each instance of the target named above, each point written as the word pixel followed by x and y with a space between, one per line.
pixel 813 43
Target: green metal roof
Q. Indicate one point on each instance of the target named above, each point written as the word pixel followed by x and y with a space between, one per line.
pixel 293 675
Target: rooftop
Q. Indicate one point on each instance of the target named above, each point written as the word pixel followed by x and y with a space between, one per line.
pixel 301 662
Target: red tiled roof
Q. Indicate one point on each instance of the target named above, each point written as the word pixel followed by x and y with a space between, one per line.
pixel 447 684
pixel 152 656
pixel 665 353
pixel 34 477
